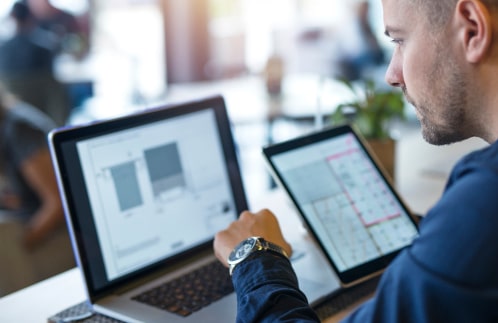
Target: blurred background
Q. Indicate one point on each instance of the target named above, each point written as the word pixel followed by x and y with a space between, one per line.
pixel 276 61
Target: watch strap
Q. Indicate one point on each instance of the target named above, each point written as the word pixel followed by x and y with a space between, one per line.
pixel 269 246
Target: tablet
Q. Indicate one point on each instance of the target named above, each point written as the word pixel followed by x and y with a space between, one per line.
pixel 346 201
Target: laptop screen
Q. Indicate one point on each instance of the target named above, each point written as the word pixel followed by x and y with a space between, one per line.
pixel 146 189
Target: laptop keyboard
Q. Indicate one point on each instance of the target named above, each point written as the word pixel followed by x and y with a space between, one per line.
pixel 191 292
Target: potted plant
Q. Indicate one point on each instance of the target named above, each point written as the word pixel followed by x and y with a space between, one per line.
pixel 371 112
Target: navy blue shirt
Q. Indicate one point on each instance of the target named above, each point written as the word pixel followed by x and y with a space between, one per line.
pixel 449 274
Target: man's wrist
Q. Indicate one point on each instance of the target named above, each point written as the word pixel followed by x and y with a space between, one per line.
pixel 250 247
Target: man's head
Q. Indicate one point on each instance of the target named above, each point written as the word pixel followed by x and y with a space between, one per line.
pixel 20 12
pixel 443 62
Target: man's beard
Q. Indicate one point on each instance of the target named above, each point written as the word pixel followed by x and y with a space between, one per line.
pixel 442 115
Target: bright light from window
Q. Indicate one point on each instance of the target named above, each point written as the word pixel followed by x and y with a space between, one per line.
pixel 76 7
pixel 5 6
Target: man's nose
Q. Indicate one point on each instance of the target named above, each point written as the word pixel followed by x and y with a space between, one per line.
pixel 394 73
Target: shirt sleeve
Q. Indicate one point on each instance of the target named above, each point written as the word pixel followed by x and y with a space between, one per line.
pixel 268 291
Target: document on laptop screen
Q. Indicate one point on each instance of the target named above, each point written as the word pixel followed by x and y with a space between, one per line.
pixel 138 178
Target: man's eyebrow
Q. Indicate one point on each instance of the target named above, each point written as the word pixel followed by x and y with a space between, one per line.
pixel 389 30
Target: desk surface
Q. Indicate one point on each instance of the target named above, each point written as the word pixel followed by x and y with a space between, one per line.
pixel 420 180
pixel 62 291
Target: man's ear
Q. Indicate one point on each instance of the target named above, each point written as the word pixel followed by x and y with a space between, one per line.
pixel 475 25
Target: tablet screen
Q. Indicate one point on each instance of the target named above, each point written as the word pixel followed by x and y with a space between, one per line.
pixel 351 209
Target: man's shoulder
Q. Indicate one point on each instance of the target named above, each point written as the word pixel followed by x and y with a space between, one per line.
pixel 483 154
pixel 482 161
pixel 457 236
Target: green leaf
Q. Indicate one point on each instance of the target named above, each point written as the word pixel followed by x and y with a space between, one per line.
pixel 372 110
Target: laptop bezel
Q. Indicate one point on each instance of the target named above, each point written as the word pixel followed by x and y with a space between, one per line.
pixel 62 139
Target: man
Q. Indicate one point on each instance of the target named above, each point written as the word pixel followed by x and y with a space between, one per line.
pixel 361 50
pixel 34 241
pixel 446 62
pixel 27 64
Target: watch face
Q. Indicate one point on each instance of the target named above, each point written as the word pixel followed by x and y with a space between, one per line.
pixel 242 250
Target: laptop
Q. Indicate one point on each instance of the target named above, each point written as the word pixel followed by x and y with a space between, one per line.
pixel 144 195
pixel 345 200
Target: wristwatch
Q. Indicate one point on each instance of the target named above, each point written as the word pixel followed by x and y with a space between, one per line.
pixel 248 247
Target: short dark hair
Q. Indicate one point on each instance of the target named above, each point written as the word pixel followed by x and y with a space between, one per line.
pixel 438 12
pixel 20 11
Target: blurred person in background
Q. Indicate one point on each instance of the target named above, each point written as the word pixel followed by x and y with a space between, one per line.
pixel 70 31
pixel 34 242
pixel 27 66
pixel 364 51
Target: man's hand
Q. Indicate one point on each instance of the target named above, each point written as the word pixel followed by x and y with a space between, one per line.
pixel 262 224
